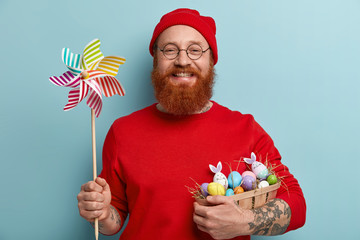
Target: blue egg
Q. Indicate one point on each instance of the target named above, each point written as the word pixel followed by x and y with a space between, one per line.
pixel 236 177
pixel 229 192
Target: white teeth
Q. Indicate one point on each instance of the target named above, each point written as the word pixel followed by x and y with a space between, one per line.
pixel 183 75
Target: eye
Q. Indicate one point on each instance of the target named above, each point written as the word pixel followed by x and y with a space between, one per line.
pixel 194 49
pixel 170 49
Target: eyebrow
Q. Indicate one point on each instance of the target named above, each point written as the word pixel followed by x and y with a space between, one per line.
pixel 189 43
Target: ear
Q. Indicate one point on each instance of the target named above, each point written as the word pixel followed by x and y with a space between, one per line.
pixel 219 166
pixel 213 169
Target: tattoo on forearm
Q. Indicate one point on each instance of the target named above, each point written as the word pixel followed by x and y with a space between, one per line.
pixel 112 222
pixel 271 219
pixel 115 215
pixel 101 225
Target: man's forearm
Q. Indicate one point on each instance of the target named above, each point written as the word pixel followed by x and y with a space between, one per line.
pixel 271 219
pixel 110 225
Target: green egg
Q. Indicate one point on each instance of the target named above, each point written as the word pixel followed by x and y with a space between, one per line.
pixel 271 179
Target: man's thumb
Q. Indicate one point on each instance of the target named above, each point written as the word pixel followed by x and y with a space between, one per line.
pixel 102 182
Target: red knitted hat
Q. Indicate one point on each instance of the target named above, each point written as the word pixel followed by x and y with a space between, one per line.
pixel 184 16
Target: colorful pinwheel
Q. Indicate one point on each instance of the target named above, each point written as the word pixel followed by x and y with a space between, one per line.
pixel 90 72
pixel 94 74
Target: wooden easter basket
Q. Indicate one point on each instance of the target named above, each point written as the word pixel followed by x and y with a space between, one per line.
pixel 252 199
pixel 256 198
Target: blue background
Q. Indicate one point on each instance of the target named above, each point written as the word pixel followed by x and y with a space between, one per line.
pixel 294 65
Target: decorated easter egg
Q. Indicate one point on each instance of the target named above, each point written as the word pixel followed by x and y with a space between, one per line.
pixel 203 189
pixel 248 173
pixel 215 188
pixel 260 170
pixel 249 183
pixel 238 190
pixel 234 177
pixel 219 177
pixel 272 179
pixel 229 192
pixel 263 184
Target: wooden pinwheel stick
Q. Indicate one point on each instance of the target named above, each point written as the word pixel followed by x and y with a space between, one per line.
pixel 96 223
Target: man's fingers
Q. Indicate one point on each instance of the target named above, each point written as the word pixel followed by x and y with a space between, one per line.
pixel 93 196
pixel 202 228
pixel 199 220
pixel 90 215
pixel 92 187
pixel 202 223
pixel 94 200
pixel 200 210
pixel 92 206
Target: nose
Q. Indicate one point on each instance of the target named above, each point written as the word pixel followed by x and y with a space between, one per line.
pixel 182 59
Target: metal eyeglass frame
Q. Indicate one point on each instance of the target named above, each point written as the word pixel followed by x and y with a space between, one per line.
pixel 186 50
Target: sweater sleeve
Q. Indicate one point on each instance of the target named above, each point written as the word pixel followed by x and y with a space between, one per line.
pixel 289 190
pixel 113 176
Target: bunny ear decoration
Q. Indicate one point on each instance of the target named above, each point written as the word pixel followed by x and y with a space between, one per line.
pixel 250 160
pixel 217 168
pixel 213 169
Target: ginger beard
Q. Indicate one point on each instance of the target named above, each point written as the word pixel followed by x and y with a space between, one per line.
pixel 182 99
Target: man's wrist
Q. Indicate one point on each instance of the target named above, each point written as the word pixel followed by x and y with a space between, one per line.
pixel 110 223
pixel 248 217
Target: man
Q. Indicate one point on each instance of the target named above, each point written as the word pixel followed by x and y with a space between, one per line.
pixel 151 155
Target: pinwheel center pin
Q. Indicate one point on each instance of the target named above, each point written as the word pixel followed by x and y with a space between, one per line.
pixel 84 75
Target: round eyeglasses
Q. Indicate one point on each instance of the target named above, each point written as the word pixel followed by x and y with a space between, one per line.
pixel 193 51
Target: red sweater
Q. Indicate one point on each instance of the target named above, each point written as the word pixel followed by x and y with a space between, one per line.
pixel 150 156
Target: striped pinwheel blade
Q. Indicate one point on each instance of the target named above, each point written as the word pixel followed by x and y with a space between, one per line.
pixel 76 95
pixel 93 66
pixel 71 60
pixel 110 86
pixel 91 54
pixel 94 86
pixel 111 64
pixel 95 74
pixel 68 79
pixel 94 100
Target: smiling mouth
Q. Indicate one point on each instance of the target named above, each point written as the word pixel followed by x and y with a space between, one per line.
pixel 183 74
pixel 183 78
